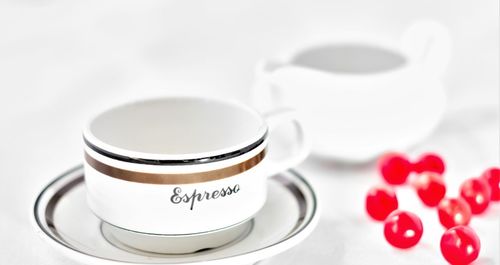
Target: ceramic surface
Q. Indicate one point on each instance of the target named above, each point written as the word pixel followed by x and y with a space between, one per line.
pixel 62 219
pixel 362 95
pixel 199 159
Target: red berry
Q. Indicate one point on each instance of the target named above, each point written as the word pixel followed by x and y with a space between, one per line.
pixel 395 168
pixel 430 188
pixel 453 212
pixel 429 162
pixel 403 229
pixel 380 202
pixel 476 193
pixel 460 245
pixel 492 176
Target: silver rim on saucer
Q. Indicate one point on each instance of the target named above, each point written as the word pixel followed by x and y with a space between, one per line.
pixel 291 182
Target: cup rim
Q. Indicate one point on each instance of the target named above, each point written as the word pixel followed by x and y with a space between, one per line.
pixel 138 157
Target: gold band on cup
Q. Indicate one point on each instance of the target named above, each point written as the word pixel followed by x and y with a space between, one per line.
pixel 181 178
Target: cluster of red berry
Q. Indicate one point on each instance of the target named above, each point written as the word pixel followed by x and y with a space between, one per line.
pixel 403 229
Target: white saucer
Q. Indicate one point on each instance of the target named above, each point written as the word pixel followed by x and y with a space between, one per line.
pixel 62 218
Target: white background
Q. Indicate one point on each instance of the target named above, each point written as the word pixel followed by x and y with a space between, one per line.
pixel 60 61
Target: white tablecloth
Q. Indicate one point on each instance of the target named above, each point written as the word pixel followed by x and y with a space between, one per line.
pixel 62 60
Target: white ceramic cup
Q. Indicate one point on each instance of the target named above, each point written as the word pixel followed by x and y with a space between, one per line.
pixel 182 165
pixel 361 95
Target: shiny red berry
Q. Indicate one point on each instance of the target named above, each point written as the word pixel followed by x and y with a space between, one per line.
pixel 380 202
pixel 460 245
pixel 403 229
pixel 453 212
pixel 429 162
pixel 492 176
pixel 476 192
pixel 395 168
pixel 430 188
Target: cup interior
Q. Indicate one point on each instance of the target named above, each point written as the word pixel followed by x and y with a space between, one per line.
pixel 350 58
pixel 176 126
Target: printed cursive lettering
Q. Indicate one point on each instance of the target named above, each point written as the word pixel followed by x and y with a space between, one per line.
pixel 178 197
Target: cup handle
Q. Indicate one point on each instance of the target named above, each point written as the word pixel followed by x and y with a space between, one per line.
pixel 430 43
pixel 279 117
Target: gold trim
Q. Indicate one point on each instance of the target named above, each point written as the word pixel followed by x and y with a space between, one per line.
pixel 181 178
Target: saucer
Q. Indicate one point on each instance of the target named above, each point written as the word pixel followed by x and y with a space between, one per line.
pixel 62 218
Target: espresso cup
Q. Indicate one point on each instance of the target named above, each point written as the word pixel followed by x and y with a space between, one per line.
pixel 182 165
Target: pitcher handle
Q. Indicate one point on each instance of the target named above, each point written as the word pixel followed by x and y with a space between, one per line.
pixel 428 42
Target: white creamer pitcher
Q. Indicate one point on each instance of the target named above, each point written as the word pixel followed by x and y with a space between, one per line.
pixel 362 96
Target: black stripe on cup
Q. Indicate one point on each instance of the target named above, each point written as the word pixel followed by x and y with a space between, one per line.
pixel 193 161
